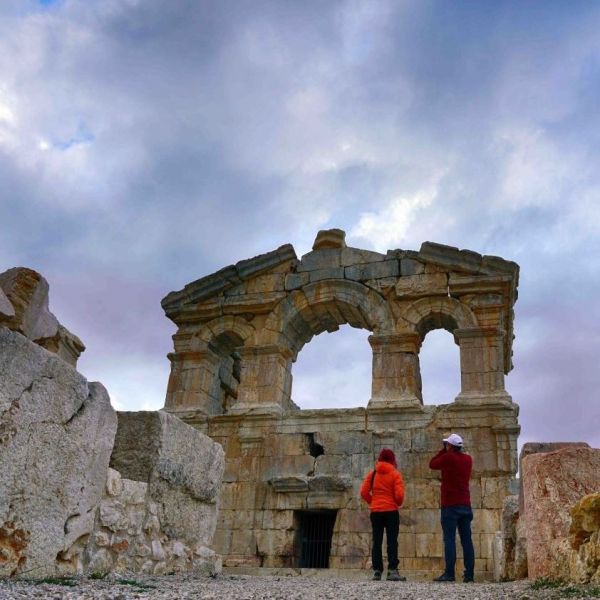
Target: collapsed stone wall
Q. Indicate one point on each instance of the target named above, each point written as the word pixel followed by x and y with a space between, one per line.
pixel 59 513
pixel 240 331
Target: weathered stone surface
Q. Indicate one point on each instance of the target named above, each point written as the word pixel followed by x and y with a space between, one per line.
pixel 539 448
pixel 419 286
pixel 56 434
pixel 7 311
pixel 584 534
pixel 26 293
pixel 374 270
pixel 506 540
pixel 330 238
pixel 281 460
pixel 552 483
pixel 182 467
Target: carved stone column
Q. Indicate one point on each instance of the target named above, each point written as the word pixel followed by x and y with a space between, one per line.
pixel 396 372
pixel 481 365
pixel 194 382
pixel 265 380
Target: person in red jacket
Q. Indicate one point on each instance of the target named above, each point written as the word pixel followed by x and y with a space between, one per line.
pixel 456 468
pixel 383 490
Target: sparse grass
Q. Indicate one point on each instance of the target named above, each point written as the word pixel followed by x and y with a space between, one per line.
pixel 566 590
pixel 68 581
pixel 136 584
pixel 98 575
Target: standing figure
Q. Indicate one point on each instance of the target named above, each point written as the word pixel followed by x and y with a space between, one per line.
pixel 456 468
pixel 383 490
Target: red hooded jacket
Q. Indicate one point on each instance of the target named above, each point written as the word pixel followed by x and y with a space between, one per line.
pixel 388 488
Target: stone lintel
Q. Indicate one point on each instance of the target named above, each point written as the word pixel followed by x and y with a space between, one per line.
pixel 484 399
pixel 252 303
pixel 248 410
pixel 393 403
pixel 478 332
pixel 285 485
pixel 271 349
pixel 395 342
pixel 194 356
pixel 450 256
pixel 477 284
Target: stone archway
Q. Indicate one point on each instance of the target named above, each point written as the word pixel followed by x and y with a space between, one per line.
pixel 260 312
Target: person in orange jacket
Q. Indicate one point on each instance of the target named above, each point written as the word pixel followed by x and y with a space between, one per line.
pixel 383 490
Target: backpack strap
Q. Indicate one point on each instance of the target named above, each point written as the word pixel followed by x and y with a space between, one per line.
pixel 372 480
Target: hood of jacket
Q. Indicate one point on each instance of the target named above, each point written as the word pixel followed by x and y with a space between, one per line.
pixel 383 468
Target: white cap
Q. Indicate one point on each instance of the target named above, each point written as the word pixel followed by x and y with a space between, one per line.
pixel 454 440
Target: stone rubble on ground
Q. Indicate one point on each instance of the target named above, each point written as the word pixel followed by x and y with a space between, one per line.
pixel 270 588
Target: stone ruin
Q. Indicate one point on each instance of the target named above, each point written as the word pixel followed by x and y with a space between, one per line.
pixel 290 491
pixel 63 510
pixel 86 490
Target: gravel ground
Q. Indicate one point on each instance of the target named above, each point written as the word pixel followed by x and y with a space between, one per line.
pixel 273 588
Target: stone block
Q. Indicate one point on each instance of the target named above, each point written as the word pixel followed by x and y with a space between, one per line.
pixel 354 256
pixel 450 257
pixel 420 286
pixel 293 281
pixel 330 238
pixel 349 443
pixel 429 545
pixel 411 266
pixel 318 260
pixel 321 274
pixel 182 467
pixel 51 488
pixel 7 311
pixel 374 270
pixel 552 483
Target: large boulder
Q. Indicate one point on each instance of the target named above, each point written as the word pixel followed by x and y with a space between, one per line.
pixel 24 308
pixel 181 470
pixel 585 540
pixel 552 483
pixel 56 436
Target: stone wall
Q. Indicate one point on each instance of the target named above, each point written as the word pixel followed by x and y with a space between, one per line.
pixel 239 333
pixel 56 436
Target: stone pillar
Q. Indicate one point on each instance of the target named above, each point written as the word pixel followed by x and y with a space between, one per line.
pixel 264 380
pixel 481 365
pixel 194 382
pixel 396 372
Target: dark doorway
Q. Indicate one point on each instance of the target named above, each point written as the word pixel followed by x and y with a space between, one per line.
pixel 313 538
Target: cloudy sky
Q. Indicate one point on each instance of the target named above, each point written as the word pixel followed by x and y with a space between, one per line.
pixel 144 144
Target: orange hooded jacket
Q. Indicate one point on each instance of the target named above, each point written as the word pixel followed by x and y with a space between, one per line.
pixel 388 488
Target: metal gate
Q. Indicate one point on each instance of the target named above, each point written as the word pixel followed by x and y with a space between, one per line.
pixel 315 530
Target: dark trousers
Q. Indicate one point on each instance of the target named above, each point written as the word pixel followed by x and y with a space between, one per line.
pixel 453 518
pixel 390 522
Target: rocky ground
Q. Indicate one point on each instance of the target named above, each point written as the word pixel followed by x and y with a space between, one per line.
pixel 281 588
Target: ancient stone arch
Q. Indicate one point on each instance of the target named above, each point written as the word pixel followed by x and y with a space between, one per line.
pixel 239 332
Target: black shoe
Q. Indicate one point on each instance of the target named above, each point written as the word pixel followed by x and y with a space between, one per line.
pixel 393 575
pixel 377 576
pixel 445 578
pixel 468 579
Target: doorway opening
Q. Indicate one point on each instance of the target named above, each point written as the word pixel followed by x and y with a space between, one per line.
pixel 314 531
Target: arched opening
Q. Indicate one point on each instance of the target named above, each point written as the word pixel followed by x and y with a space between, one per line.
pixel 333 370
pixel 439 360
pixel 226 346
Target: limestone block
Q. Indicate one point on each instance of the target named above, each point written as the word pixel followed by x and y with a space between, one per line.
pixel 552 483
pixel 345 442
pixel 273 282
pixel 328 258
pixel 278 519
pixel 418 286
pixel 288 466
pixel 374 270
pixel 7 311
pixel 429 544
pixel 330 238
pixel 331 273
pixel 494 491
pixel 275 542
pixel 333 464
pixel 182 467
pixel 411 266
pixel 584 535
pixel 450 257
pixel 354 256
pixel 49 489
pixel 293 281
pixel 537 448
